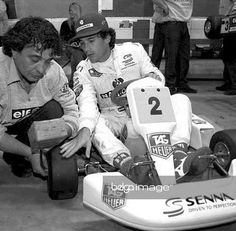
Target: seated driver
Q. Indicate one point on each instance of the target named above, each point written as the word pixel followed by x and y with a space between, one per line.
pixel 108 65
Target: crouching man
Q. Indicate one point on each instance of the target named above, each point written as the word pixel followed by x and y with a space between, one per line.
pixel 32 87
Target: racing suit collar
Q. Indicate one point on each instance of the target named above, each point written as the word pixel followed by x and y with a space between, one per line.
pixel 13 74
pixel 115 57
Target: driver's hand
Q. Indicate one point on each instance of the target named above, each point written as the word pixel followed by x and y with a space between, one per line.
pixel 81 140
pixel 35 162
pixel 154 76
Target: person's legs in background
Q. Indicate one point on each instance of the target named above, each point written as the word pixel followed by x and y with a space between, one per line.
pixel 226 85
pixel 172 42
pixel 228 56
pixel 183 61
pixel 231 69
pixel 158 45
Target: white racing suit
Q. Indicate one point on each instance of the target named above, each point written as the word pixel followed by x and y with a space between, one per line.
pixel 93 84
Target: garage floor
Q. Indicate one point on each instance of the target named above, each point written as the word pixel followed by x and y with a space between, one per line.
pixel 25 206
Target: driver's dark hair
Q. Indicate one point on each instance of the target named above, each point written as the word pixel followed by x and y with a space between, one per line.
pixel 110 31
pixel 32 31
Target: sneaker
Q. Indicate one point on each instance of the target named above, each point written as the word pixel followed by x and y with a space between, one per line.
pixel 140 170
pixel 20 167
pixel 190 163
pixel 186 89
pixel 230 92
pixel 173 90
pixel 224 87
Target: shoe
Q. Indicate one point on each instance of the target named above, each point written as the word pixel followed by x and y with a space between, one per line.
pixel 224 87
pixel 140 170
pixel 230 92
pixel 22 170
pixel 190 164
pixel 20 167
pixel 173 90
pixel 186 89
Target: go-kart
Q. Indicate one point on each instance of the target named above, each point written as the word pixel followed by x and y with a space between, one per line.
pixel 218 26
pixel 169 206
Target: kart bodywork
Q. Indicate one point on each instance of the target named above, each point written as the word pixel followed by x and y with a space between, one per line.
pixel 177 207
pixel 170 206
pixel 218 26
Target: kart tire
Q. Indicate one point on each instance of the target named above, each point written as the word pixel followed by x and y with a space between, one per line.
pixel 62 175
pixel 224 142
pixel 212 27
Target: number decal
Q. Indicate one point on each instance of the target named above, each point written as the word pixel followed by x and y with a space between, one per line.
pixel 154 110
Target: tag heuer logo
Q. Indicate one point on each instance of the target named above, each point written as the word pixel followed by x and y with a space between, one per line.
pixel 160 145
pixel 115 199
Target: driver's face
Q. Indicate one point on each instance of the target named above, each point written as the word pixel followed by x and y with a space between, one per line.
pixel 31 63
pixel 96 48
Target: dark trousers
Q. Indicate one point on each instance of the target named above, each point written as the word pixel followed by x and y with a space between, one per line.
pixel 50 110
pixel 158 44
pixel 177 53
pixel 229 73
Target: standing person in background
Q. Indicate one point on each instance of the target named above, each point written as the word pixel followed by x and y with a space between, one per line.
pixel 228 55
pixel 3 19
pixel 158 38
pixel 67 31
pixel 176 14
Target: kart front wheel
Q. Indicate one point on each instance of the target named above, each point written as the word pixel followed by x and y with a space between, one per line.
pixel 62 175
pixel 223 144
pixel 212 27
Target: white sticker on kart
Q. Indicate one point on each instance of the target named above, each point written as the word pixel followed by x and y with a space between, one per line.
pixel 153 105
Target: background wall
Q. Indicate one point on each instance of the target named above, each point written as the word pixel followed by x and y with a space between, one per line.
pixel 121 8
pixel 47 8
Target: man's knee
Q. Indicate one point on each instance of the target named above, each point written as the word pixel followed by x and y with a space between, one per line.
pixel 181 102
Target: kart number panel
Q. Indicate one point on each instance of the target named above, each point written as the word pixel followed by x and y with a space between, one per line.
pixel 153 105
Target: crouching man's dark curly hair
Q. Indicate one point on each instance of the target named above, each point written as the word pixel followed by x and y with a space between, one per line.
pixel 31 31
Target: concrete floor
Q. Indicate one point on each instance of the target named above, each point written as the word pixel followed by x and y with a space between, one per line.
pixel 25 206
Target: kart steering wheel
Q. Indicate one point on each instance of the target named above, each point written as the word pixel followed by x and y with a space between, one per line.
pixel 118 95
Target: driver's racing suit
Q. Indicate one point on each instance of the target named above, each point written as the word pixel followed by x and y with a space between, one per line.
pixel 93 84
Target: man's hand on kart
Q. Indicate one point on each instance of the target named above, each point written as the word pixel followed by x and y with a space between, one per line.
pixel 36 164
pixel 154 76
pixel 81 140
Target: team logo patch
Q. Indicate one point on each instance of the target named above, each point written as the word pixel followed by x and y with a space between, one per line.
pixel 128 61
pixel 20 113
pixel 117 82
pixel 78 89
pixel 115 199
pixel 160 144
pixel 65 90
pixel 94 73
pixel 180 163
